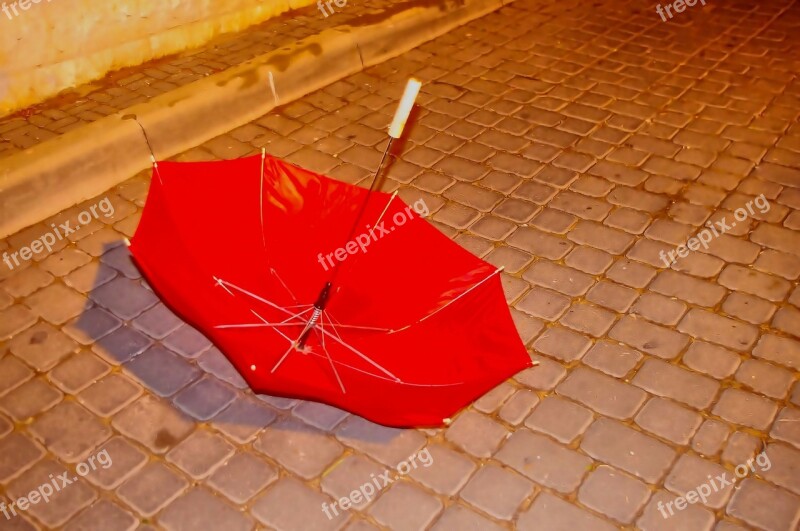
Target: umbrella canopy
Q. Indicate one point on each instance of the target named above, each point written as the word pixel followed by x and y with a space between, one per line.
pixel 415 327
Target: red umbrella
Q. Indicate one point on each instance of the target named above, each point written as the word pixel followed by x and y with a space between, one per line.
pixel 321 290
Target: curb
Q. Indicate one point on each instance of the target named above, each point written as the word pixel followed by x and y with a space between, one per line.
pixel 59 173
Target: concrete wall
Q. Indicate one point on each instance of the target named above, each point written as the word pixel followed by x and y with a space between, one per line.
pixel 49 45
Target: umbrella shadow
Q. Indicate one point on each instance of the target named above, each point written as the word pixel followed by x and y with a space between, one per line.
pixel 128 325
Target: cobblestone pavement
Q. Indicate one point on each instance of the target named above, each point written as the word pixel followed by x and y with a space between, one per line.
pixel 126 87
pixel 570 143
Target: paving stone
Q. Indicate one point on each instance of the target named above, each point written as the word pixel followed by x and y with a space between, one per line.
pixel 612 358
pixel 668 420
pixel 663 379
pixel 765 507
pixel 450 473
pixel 544 461
pixel 26 281
pixel 157 322
pixel 559 278
pixel 612 296
pixel 15 319
pixel 543 303
pixel 476 434
pixel 109 395
pixel 721 330
pixel 404 507
pixel 214 362
pixel 740 448
pixel 291 505
pixel 89 277
pixel 152 488
pixel 63 505
pixel 121 345
pixel 243 419
pixel 711 359
pixel 660 309
pixel 153 423
pixel 13 373
pixel 782 351
pixel 780 465
pixel 187 342
pixel 242 477
pixel 627 449
pixel 301 449
pixel 544 376
pixel 17 454
pixel 78 372
pixel 589 319
pixel 747 409
pixel 602 393
pixel 200 454
pixel 562 343
pixel 56 303
pixel 30 399
pixel 124 297
pixel 42 346
pixel 692 473
pixel 787 319
pixel 91 325
pixel 613 494
pixel 787 426
pixel 710 437
pixel 517 408
pixel 495 398
pixel 124 459
pixel 205 398
pixel 551 512
pixel 648 337
pixel 764 378
pixel 319 415
pixel 161 371
pixel 748 308
pixel 688 288
pixel 349 475
pixel 497 491
pixel 199 509
pixel 662 513
pixel 459 517
pixel 69 431
pixel 103 516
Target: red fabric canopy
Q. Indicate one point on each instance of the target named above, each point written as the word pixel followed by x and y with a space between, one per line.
pixel 416 327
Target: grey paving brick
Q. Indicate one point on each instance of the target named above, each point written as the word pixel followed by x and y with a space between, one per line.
pixel 544 461
pixel 602 393
pixel 242 477
pixel 477 434
pixel 152 423
pixel 205 398
pixel 291 505
pixel 405 507
pixel 200 454
pixel 614 494
pixel 627 449
pixel 199 509
pixel 64 504
pixel 152 488
pixel 497 491
pixel 298 447
pixel 551 512
pixel 243 419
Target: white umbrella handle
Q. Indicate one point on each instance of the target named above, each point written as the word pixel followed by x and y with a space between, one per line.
pixel 404 109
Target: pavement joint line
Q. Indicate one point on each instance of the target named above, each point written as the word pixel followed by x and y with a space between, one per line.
pixel 59 173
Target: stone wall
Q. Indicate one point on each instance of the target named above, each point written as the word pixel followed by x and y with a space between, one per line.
pixel 49 45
